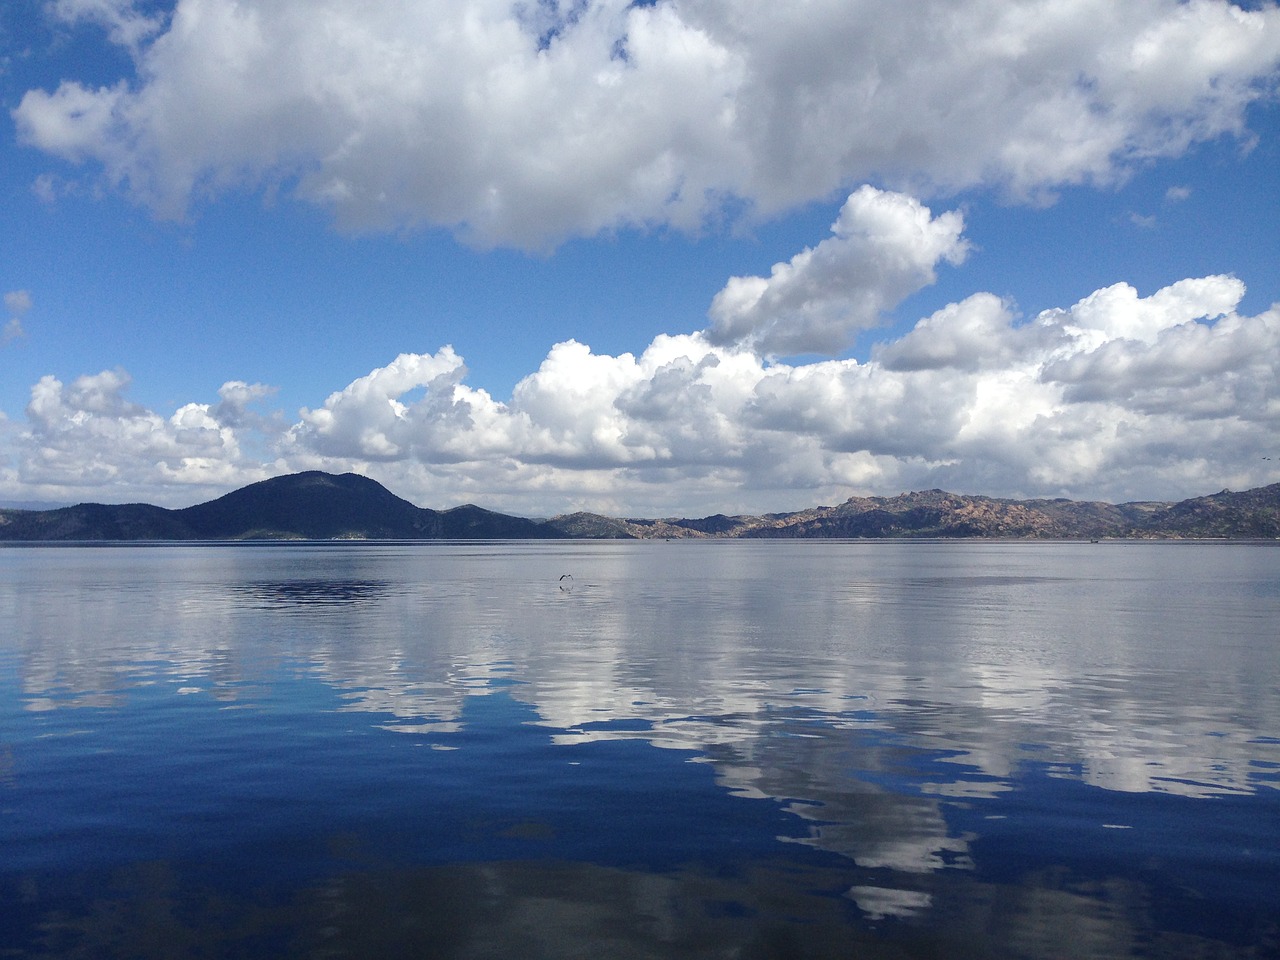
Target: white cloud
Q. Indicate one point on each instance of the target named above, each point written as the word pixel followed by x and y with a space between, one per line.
pixel 45 188
pixel 18 303
pixel 369 419
pixel 884 247
pixel 87 440
pixel 526 123
pixel 235 397
pixel 125 25
pixel 1117 397
pixel 1118 313
pixel 1186 370
pixel 970 336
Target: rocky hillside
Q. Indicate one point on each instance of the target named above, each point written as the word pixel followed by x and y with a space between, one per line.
pixel 1253 514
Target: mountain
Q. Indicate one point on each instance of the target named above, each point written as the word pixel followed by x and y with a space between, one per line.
pixel 301 506
pixel 936 513
pixel 93 521
pixel 310 506
pixel 1250 514
pixel 322 506
pixel 1253 514
pixel 592 526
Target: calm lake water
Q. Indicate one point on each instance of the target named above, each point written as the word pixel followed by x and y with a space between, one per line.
pixel 694 749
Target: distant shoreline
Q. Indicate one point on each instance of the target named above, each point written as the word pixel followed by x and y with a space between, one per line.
pixel 707 541
pixel 321 507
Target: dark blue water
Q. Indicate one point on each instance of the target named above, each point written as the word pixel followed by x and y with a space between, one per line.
pixel 682 749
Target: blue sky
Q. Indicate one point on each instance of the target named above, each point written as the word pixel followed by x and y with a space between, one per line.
pixel 689 256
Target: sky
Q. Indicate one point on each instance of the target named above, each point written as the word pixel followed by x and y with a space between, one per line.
pixel 654 258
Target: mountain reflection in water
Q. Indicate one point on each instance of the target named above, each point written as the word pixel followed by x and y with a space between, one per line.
pixel 702 749
pixel 312 591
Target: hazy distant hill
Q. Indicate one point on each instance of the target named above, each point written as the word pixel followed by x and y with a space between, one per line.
pixel 321 506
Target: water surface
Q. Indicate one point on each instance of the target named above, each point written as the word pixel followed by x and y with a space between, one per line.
pixel 694 749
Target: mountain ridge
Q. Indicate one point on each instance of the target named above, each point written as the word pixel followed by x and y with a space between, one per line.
pixel 322 506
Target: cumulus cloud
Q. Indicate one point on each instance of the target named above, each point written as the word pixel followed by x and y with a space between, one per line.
pixel 1118 313
pixel 369 419
pixel 87 439
pixel 884 247
pixel 524 124
pixel 976 334
pixel 234 404
pixel 1119 396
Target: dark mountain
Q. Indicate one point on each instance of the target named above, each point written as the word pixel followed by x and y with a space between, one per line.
pixel 302 506
pixel 469 522
pixel 93 521
pixel 321 506
pixel 311 506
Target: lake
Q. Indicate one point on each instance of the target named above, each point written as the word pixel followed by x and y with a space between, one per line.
pixel 768 749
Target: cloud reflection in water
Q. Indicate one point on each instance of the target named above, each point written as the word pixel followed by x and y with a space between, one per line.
pixel 909 706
